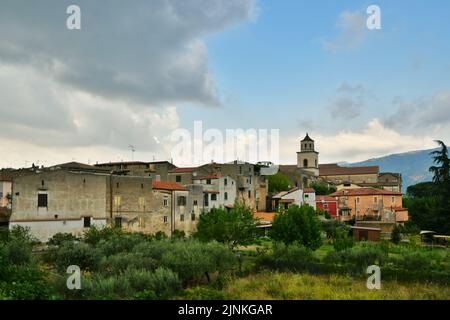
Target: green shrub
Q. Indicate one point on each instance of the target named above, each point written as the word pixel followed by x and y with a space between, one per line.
pixel 60 238
pixel 342 240
pixel 194 260
pixel 126 260
pixel 79 254
pixel 294 257
pixel 94 234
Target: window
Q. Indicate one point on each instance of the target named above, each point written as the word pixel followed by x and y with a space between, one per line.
pixel 141 203
pixel 249 194
pixel 226 196
pixel 165 202
pixel 213 197
pixel 181 201
pixel 393 200
pixel 375 199
pixel 87 222
pixel 195 202
pixel 208 181
pixel 193 216
pixel 117 200
pixel 118 222
pixel 240 169
pixel 166 219
pixel 178 178
pixel 306 195
pixel 357 199
pixel 117 184
pixel 305 163
pixel 42 200
pixel 225 181
pixel 182 217
pixel 42 183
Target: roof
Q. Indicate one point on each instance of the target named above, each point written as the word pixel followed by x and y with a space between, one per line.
pixel 364 192
pixel 183 170
pixel 107 164
pixel 309 190
pixel 211 176
pixel 336 170
pixel 5 176
pixel 325 198
pixel 163 185
pixel 77 166
pixel 307 138
pixel 210 191
pixel 365 228
pixel 264 216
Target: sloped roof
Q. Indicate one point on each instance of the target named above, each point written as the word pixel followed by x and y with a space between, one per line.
pixel 336 170
pixel 77 166
pixel 183 170
pixel 5 176
pixel 163 185
pixel 307 138
pixel 364 192
pixel 325 198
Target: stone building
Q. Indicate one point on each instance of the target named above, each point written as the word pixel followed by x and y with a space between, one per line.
pixel 218 191
pixel 370 204
pixel 158 170
pixel 183 211
pixel 73 197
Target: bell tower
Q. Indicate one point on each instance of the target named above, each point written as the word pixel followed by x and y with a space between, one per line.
pixel 308 157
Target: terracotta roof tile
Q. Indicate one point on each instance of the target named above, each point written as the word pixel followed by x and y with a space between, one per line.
pixel 183 170
pixel 363 192
pixel 335 170
pixel 163 185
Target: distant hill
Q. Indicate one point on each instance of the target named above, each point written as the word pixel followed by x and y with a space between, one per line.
pixel 412 165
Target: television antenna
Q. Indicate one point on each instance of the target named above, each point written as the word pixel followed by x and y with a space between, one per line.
pixel 133 150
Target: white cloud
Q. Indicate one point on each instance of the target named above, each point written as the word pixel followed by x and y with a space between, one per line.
pixel 351 146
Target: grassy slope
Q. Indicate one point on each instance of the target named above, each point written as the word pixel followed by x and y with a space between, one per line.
pixel 275 285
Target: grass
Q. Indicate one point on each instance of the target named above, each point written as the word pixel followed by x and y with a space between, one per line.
pixel 289 286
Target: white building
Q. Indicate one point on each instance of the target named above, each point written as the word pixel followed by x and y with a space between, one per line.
pixel 218 191
pixel 295 196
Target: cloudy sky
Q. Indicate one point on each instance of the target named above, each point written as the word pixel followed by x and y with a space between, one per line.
pixel 138 70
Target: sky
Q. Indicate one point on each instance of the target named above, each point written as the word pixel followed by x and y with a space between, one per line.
pixel 136 72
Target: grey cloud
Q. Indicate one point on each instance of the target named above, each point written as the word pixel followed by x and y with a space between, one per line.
pixel 422 114
pixel 147 52
pixel 352 31
pixel 346 107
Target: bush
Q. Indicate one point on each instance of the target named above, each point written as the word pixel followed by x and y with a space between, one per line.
pixel 120 262
pixel 342 240
pixel 298 224
pixel 193 260
pixel 294 257
pixel 141 284
pixel 79 254
pixel 94 234
pixel 60 238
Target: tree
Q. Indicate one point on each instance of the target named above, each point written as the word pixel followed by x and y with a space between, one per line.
pixel 429 202
pixel 299 224
pixel 322 188
pixel 396 235
pixel 342 240
pixel 233 228
pixel 278 182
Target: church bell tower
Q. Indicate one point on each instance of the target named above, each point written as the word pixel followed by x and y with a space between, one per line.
pixel 308 157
